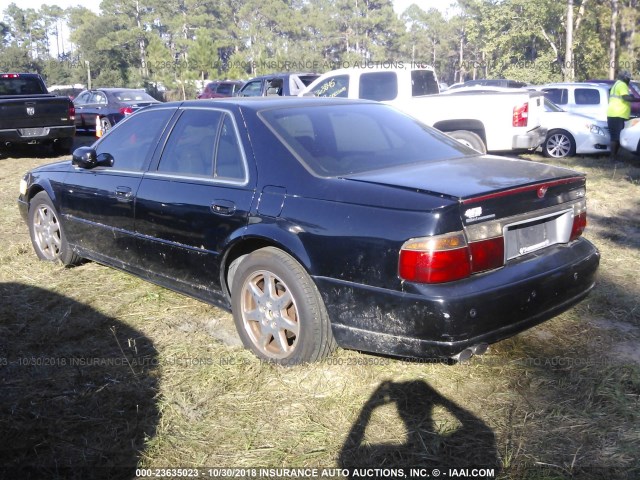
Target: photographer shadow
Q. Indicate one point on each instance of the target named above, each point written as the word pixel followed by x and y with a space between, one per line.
pixel 78 389
pixel 470 445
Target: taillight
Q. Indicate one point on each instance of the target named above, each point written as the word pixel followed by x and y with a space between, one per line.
pixel 445 258
pixel 521 115
pixel 126 110
pixel 72 111
pixel 10 75
pixel 579 220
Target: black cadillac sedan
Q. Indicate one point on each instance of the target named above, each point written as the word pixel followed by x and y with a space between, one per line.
pixel 322 221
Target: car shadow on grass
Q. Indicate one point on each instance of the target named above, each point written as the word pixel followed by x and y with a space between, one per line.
pixel 462 440
pixel 77 389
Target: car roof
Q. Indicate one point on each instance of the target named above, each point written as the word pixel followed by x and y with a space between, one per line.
pixel 573 84
pixel 261 103
pixel 282 74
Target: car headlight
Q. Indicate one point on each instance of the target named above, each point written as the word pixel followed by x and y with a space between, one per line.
pixel 595 129
pixel 23 187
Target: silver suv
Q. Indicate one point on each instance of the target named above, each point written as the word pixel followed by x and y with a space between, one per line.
pixel 590 99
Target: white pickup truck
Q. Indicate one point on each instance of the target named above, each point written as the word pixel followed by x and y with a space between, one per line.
pixel 484 120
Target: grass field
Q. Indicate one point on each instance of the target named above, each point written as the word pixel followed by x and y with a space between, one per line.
pixel 101 370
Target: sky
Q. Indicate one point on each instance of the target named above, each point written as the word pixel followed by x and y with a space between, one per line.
pixel 398 5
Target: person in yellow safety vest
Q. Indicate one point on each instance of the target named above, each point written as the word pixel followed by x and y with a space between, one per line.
pixel 619 109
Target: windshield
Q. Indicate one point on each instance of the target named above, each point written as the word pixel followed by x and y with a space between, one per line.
pixel 343 139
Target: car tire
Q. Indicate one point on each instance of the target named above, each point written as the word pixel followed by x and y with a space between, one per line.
pixel 105 124
pixel 278 311
pixel 47 234
pixel 559 144
pixel 469 139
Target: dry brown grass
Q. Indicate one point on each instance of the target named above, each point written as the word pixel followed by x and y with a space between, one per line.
pixel 561 399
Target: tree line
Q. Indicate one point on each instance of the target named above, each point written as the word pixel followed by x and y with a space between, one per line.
pixel 175 42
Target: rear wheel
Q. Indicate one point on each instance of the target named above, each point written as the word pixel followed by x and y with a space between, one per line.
pixel 278 311
pixel 469 139
pixel 47 234
pixel 559 144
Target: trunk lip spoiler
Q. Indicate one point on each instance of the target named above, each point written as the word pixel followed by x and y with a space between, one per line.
pixel 526 188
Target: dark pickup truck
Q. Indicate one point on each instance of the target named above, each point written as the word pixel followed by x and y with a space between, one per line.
pixel 29 114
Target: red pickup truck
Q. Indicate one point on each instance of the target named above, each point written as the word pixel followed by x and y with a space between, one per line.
pixel 29 114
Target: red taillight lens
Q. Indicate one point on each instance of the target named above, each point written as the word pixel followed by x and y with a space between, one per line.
pixel 487 254
pixel 439 259
pixel 521 115
pixel 579 224
pixel 445 258
pixel 126 110
pixel 72 112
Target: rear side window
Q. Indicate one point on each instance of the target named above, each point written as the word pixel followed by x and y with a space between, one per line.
pixel 225 89
pixel 557 95
pixel 204 143
pixel 190 147
pixel 379 86
pixel 423 82
pixel 587 96
pixel 134 139
pixel 337 86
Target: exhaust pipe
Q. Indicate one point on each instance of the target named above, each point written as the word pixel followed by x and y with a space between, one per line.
pixel 469 352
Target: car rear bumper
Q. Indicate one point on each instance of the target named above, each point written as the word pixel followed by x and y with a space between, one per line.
pixel 14 135
pixel 530 140
pixel 434 321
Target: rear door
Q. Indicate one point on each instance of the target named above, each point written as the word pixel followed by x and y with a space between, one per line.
pixel 197 195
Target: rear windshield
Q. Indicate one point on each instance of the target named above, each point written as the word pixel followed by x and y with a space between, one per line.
pixel 133 96
pixel 20 86
pixel 338 140
pixel 423 82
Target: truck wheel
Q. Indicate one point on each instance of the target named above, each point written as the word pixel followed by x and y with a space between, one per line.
pixel 46 232
pixel 469 139
pixel 278 311
pixel 559 144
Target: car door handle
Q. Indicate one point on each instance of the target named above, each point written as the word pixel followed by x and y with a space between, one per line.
pixel 223 207
pixel 123 194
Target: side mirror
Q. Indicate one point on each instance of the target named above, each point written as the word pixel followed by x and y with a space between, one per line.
pixel 104 160
pixel 84 157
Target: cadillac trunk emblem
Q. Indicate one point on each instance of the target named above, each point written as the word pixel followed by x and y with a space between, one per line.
pixel 542 191
pixel 31 110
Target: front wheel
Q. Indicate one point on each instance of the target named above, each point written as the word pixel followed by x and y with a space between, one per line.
pixel 47 235
pixel 559 144
pixel 278 311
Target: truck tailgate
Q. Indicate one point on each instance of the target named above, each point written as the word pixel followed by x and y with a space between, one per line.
pixel 34 111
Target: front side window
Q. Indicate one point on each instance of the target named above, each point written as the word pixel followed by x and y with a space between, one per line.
pixel 134 138
pixel 336 86
pixel 252 89
pixel 83 98
pixel 557 95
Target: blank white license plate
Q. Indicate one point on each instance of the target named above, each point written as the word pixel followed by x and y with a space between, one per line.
pixel 34 132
